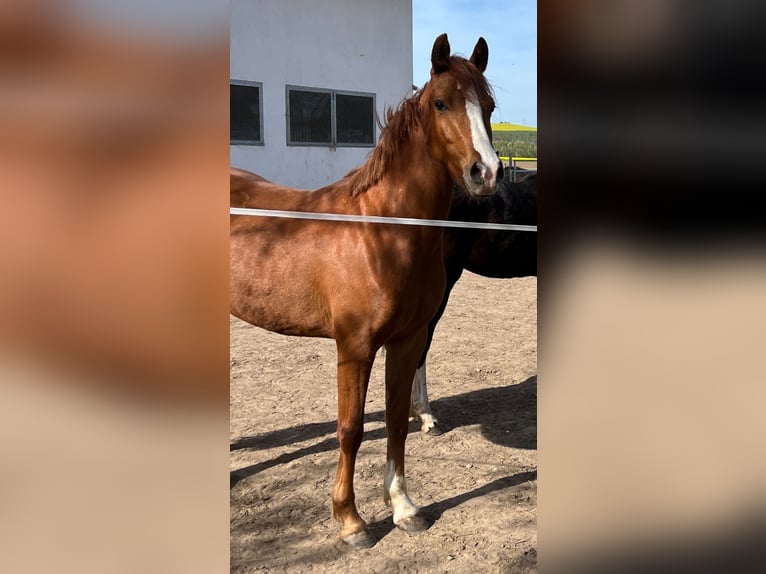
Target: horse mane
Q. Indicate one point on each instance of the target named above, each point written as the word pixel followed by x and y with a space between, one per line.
pixel 400 124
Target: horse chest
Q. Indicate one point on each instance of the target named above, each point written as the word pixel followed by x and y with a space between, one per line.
pixel 414 297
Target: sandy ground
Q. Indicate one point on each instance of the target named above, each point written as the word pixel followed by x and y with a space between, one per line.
pixel 477 482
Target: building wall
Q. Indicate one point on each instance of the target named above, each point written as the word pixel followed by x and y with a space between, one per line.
pixel 354 45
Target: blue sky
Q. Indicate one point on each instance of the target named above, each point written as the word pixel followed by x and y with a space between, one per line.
pixel 510 29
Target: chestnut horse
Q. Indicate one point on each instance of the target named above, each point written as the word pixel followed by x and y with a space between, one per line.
pixel 370 285
pixel 499 254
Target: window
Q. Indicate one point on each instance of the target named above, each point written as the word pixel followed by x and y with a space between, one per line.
pixel 354 119
pixel 309 117
pixel 330 118
pixel 246 110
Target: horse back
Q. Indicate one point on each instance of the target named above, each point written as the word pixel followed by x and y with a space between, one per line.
pixel 245 187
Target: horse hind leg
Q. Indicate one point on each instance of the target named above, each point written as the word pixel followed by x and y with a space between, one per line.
pixel 420 409
pixel 401 361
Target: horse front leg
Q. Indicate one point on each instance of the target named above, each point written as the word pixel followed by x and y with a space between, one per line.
pixel 401 361
pixel 353 377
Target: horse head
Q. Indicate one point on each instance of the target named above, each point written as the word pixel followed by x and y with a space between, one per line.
pixel 458 102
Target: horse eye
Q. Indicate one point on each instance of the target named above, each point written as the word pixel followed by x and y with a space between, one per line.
pixel 440 105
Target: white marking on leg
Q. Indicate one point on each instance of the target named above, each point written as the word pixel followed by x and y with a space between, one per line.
pixel 419 407
pixel 395 494
pixel 481 141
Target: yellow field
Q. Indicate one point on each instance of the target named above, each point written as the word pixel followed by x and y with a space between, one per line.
pixel 512 128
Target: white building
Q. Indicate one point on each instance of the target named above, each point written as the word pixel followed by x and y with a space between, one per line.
pixel 307 80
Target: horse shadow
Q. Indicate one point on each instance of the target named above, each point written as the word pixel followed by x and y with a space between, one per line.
pixel 507 416
pixel 434 511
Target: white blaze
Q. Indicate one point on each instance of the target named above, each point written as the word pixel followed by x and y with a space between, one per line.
pixel 479 135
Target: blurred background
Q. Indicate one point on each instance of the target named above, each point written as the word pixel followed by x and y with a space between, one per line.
pixel 651 304
pixel 113 286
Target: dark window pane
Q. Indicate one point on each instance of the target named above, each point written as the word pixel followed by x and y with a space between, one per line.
pixel 310 117
pixel 245 113
pixel 354 119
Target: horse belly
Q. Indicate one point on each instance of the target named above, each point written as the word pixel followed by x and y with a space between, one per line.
pixel 277 293
pixel 273 312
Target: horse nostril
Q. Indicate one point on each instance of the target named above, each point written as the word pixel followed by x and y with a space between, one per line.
pixel 477 171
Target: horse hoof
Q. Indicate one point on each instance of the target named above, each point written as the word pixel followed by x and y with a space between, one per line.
pixel 434 431
pixel 414 524
pixel 361 539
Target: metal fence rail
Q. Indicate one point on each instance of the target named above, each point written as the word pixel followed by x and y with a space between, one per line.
pixel 379 219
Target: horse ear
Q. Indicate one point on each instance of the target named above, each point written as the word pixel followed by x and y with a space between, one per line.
pixel 480 55
pixel 440 55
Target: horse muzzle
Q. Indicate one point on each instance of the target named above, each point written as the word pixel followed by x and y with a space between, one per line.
pixel 483 180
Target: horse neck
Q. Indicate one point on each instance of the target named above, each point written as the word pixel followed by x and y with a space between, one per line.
pixel 415 184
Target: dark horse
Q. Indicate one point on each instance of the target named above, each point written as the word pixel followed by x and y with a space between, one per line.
pixel 370 285
pixel 503 254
